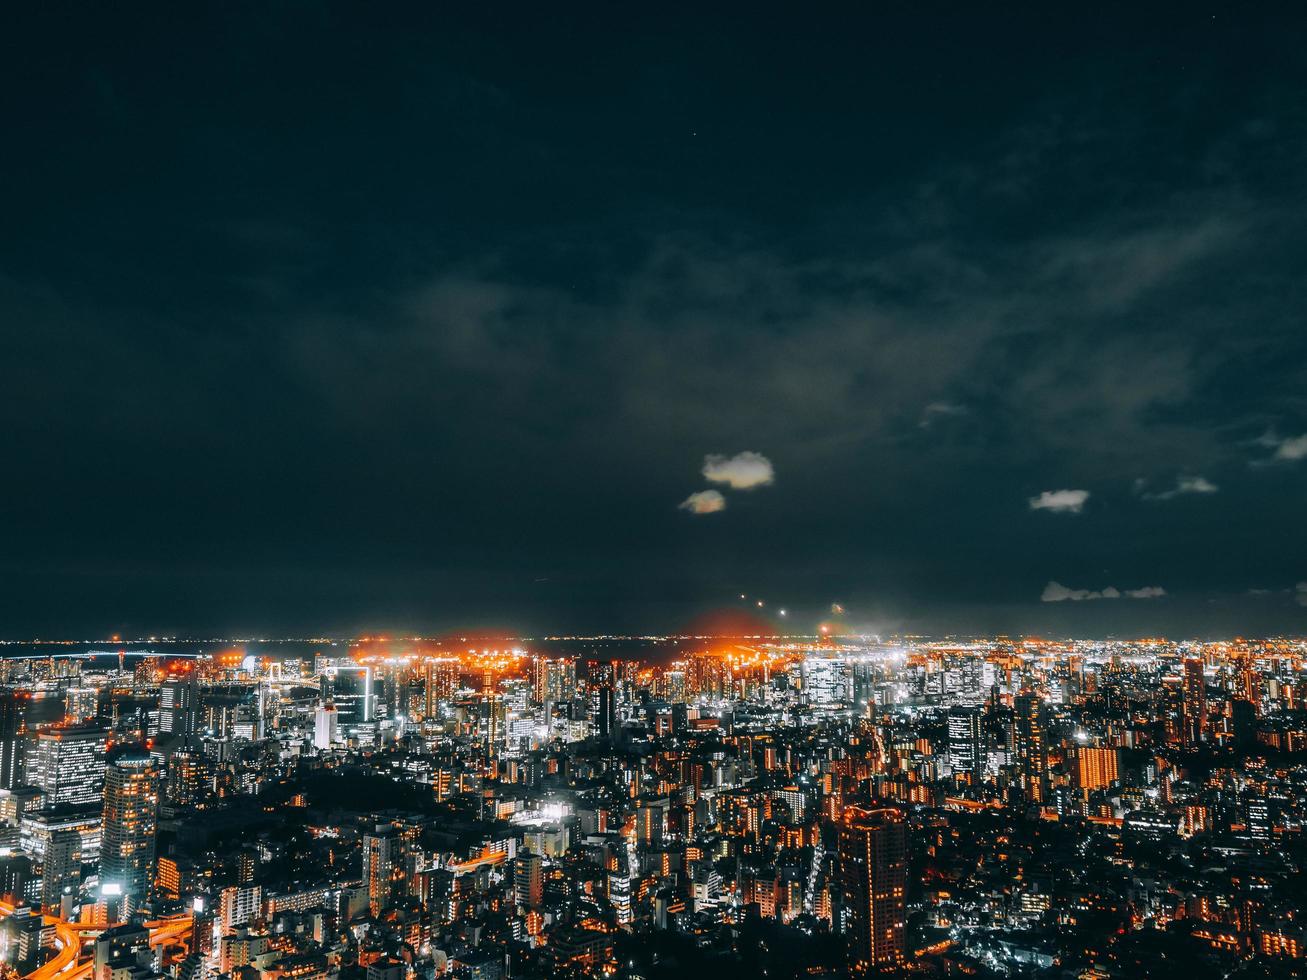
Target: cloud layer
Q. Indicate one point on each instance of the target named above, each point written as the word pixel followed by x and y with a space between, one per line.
pixel 1183 485
pixel 1057 592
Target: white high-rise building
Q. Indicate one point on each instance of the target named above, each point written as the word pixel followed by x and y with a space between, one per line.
pixel 67 764
pixel 827 682
pixel 325 730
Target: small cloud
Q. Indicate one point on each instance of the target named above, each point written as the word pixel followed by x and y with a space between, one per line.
pixel 1292 449
pixel 937 410
pixel 1147 592
pixel 1060 501
pixel 704 502
pixel 1287 449
pixel 743 471
pixel 1057 592
pixel 1195 484
pixel 1183 485
pixel 1300 593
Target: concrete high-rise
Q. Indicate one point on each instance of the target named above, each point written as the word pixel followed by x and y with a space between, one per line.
pixel 325 726
pixel 1194 701
pixel 179 707
pixel 873 857
pixel 528 880
pixel 131 823
pixel 67 764
pixel 13 729
pixel 349 687
pixel 966 744
pixel 61 869
pixel 383 869
pixel 1031 745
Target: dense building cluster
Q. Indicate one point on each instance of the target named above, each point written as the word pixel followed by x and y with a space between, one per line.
pixel 759 806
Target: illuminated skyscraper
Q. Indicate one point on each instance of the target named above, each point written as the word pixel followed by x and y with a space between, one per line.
pixel 966 744
pixel 179 707
pixel 601 684
pixel 874 877
pixel 1032 750
pixel 1097 768
pixel 131 822
pixel 350 689
pixel 1194 703
pixel 528 880
pixel 827 682
pixel 13 728
pixel 325 723
pixel 61 868
pixel 441 683
pixel 554 680
pixel 67 764
pixel 383 869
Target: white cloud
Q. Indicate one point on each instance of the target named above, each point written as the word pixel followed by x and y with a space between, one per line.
pixel 1195 484
pixel 1147 592
pixel 1060 501
pixel 1183 485
pixel 939 410
pixel 704 502
pixel 743 471
pixel 1300 593
pixel 1057 592
pixel 1292 449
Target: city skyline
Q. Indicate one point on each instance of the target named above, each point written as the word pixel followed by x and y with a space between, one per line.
pixel 835 806
pixel 550 492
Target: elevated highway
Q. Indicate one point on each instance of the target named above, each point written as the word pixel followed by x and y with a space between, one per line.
pixel 68 962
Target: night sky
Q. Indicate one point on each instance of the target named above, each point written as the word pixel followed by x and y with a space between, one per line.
pixel 333 317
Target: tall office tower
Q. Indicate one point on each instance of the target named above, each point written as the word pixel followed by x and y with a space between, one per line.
pixel 67 764
pixel 13 732
pixel 674 686
pixel 827 682
pixel 350 689
pixel 61 869
pixel 1194 701
pixel 540 679
pixel 528 880
pixel 131 823
pixel 187 778
pixel 873 857
pixel 179 707
pixel 325 726
pixel 1032 750
pixel 603 711
pixel 442 682
pixel 554 680
pixel 81 704
pixel 383 869
pixel 966 742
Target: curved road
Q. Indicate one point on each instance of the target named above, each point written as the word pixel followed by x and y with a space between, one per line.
pixel 69 937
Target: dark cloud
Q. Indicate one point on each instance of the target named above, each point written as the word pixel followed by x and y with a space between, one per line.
pixel 389 325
